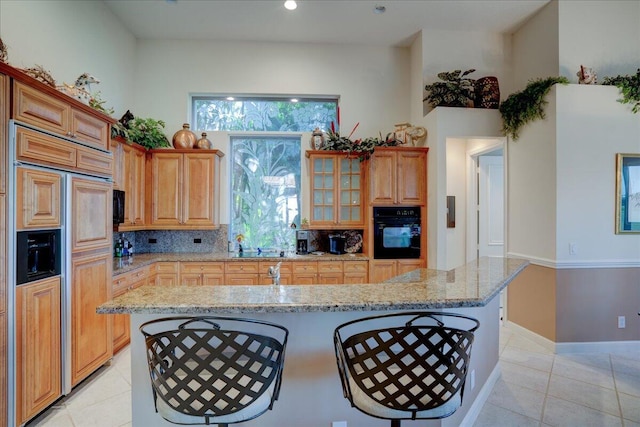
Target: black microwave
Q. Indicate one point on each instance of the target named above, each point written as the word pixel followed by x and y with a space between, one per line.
pixel 38 255
pixel 118 207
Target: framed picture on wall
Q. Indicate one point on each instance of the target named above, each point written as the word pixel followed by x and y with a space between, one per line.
pixel 627 193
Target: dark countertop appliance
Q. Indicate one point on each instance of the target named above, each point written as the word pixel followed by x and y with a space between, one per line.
pixel 336 244
pixel 396 232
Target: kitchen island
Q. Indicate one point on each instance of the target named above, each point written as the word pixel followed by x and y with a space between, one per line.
pixel 311 394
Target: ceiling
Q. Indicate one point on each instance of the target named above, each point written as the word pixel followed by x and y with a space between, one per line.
pixel 317 21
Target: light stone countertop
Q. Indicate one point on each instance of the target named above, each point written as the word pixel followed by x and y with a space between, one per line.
pixel 471 285
pixel 124 265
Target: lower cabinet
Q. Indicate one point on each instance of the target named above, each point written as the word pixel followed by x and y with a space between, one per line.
pixel 305 273
pixel 3 367
pixel 330 273
pixel 38 347
pixel 91 334
pixel 201 273
pixel 381 270
pixel 355 272
pixel 121 322
pixel 166 274
pixel 242 273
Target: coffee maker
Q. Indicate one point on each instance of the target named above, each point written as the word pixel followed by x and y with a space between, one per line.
pixel 302 242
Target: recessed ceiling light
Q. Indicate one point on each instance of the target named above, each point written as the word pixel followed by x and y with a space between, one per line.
pixel 230 98
pixel 290 5
pixel 379 9
pixel 294 99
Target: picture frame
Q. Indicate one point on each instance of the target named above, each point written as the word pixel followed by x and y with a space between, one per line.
pixel 627 193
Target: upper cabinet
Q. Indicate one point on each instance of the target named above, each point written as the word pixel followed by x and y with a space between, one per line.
pixel 398 176
pixel 129 175
pixel 337 184
pixel 184 189
pixel 39 109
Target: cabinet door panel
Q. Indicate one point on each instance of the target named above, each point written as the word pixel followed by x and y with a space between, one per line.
pixel 166 175
pixel 38 347
pixel 381 270
pixel 382 176
pixel 37 199
pixel 34 107
pixel 93 161
pixel 90 130
pixel 4 120
pixel 198 186
pixel 92 206
pixel 45 149
pixel 91 333
pixel 412 176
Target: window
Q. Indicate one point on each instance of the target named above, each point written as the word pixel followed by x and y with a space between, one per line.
pixel 265 168
pixel 265 190
pixel 263 114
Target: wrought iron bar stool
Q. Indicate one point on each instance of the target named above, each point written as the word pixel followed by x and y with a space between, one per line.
pixel 401 366
pixel 214 370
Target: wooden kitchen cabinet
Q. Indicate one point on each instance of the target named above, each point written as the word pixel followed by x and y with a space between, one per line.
pixel 184 189
pixel 330 273
pixel 381 270
pixel 117 166
pixel 166 274
pixel 4 129
pixel 91 333
pixel 337 190
pixel 38 347
pixel 3 367
pixel 37 199
pixel 122 283
pixel 201 273
pixel 398 176
pixel 242 273
pixel 44 111
pixel 356 272
pixel 305 273
pixel 133 183
pixel 286 272
pixel 91 204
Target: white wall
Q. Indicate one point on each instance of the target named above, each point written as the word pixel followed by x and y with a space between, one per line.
pixel 488 53
pixel 591 128
pixel 535 47
pixel 69 38
pixel 443 124
pixel 456 174
pixel 602 34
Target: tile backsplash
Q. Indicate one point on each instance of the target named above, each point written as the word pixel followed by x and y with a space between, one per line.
pixel 205 241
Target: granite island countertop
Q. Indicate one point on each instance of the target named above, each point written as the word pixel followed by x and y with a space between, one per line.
pixel 471 285
pixel 124 265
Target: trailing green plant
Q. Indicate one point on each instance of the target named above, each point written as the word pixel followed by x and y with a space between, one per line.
pixel 629 86
pixel 147 132
pixel 455 91
pixel 527 105
pixel 363 148
pixel 97 103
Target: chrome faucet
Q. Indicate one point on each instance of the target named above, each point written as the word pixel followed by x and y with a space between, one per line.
pixel 274 273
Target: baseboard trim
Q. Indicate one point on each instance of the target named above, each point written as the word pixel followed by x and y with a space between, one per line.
pixel 575 347
pixel 475 409
pixel 597 347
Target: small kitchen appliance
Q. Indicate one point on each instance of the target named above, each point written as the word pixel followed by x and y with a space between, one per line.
pixel 302 242
pixel 336 244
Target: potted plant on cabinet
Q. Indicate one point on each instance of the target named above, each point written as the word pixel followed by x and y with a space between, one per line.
pixel 147 132
pixel 455 90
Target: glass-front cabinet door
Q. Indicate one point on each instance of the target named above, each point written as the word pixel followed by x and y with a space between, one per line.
pixel 336 193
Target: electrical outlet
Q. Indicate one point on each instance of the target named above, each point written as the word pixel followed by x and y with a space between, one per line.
pixel 472 379
pixel 197 240
pixel 153 241
pixel 622 322
pixel 339 424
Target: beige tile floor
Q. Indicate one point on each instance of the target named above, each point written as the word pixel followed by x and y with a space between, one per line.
pixel 537 388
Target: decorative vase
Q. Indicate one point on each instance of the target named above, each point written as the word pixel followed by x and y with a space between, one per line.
pixel 487 92
pixel 203 143
pixel 184 138
pixel 317 139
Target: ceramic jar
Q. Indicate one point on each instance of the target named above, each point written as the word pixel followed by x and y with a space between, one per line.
pixel 184 138
pixel 203 143
pixel 487 92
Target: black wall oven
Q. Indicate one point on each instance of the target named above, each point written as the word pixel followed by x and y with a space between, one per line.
pixel 396 232
pixel 38 255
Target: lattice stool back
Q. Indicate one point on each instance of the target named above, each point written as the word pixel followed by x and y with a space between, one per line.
pixel 406 365
pixel 211 370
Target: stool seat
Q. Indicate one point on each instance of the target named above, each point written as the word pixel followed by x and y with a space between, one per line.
pixel 407 365
pixel 214 370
